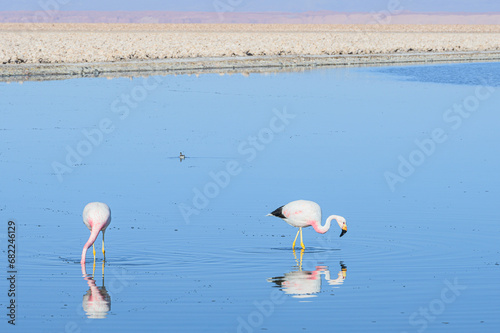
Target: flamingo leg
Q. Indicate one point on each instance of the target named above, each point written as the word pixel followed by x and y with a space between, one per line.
pixel 93 249
pixel 301 242
pixel 93 268
pixel 295 256
pixel 103 253
pixel 103 272
pixel 293 245
pixel 299 262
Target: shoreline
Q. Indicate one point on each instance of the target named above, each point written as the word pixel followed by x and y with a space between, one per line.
pixel 229 65
pixel 33 51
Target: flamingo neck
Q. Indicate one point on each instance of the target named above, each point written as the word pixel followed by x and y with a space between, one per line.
pixel 92 238
pixel 324 228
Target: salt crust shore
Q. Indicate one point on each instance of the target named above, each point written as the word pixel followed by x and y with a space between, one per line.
pixel 80 49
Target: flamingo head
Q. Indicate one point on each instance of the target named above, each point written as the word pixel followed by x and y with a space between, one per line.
pixel 342 224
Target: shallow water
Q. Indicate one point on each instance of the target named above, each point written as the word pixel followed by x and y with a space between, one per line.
pixel 406 154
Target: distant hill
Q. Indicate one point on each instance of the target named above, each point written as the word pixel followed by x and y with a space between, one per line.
pixel 54 15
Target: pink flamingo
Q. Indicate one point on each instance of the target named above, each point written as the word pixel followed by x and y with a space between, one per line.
pixel 303 284
pixel 97 217
pixel 304 213
pixel 97 301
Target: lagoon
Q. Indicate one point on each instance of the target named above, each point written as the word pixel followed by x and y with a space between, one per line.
pixel 406 154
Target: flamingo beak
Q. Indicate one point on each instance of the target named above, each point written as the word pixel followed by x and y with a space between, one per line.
pixel 344 230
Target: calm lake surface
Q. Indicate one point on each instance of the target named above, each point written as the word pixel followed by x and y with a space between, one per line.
pixel 408 155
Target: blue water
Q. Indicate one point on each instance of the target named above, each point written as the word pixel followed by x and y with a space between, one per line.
pixel 478 74
pixel 406 154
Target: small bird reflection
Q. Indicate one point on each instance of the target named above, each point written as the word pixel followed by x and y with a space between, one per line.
pixel 96 302
pixel 304 284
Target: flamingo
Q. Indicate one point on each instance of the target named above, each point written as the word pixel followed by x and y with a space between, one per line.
pixel 97 301
pixel 304 213
pixel 97 217
pixel 303 284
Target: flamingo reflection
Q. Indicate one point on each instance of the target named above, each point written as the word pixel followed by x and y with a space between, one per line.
pixel 304 284
pixel 96 302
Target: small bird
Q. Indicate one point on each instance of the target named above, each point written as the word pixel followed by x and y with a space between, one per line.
pixel 304 213
pixel 181 156
pixel 97 217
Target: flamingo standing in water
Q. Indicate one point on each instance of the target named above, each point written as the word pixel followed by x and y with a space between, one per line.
pixel 304 213
pixel 97 217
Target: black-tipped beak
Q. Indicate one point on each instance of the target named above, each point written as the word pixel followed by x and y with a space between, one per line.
pixel 343 232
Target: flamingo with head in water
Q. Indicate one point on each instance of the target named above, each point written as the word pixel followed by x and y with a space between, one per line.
pixel 304 213
pixel 97 217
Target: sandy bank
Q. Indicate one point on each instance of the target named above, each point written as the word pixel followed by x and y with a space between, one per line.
pixel 240 45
